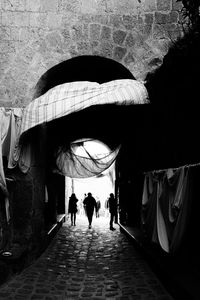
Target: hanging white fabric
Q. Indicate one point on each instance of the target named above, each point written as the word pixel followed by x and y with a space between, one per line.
pixel 10 124
pixel 10 121
pixel 75 96
pixel 76 166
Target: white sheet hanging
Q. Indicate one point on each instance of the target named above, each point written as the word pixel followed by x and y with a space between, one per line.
pixel 75 96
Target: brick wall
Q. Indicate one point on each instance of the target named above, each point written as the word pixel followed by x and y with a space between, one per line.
pixel 38 34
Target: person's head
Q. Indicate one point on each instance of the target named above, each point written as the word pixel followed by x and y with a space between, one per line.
pixel 89 194
pixel 111 195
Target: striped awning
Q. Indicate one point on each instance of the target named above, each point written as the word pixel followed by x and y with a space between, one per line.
pixel 71 97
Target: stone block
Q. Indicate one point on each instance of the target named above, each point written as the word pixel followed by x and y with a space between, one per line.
pixel 162 18
pixel 119 36
pixel 159 32
pixel 7 47
pixel 14 5
pixel 38 20
pixel 21 19
pixel 163 5
pixel 173 17
pixel 174 31
pixel 76 32
pixel 49 5
pixel 149 18
pixel 150 5
pixel 83 47
pixel 4 33
pixel 94 47
pixel 85 32
pixel 66 35
pixel 130 40
pixel 176 5
pixel 34 6
pixel 119 53
pixel 102 19
pixel 125 6
pixel 7 18
pixel 106 49
pixel 89 7
pixel 130 21
pixel 95 30
pixel 69 19
pixel 73 6
pixel 115 20
pixel 53 40
pixel 54 20
pixel 146 31
pixel 15 18
pixel 129 58
pixel 105 33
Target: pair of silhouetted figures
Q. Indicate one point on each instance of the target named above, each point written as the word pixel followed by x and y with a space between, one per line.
pixel 91 205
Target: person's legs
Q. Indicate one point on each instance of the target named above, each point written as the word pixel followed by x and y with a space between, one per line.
pixel 74 219
pixel 116 218
pixel 71 219
pixel 90 215
pixel 90 219
pixel 111 221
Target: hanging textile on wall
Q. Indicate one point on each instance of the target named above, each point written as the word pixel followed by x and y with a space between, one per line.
pixel 10 122
pixel 165 207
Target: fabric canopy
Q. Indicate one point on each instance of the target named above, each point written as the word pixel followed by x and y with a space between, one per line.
pixel 75 96
pixel 70 164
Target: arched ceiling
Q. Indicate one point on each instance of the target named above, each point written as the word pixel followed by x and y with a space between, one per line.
pixel 149 141
pixel 82 68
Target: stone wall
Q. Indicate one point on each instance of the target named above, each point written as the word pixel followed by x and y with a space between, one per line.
pixel 35 35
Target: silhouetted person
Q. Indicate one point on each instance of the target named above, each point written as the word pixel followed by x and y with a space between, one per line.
pixel 73 208
pixel 90 204
pixel 98 208
pixel 112 206
pixel 85 195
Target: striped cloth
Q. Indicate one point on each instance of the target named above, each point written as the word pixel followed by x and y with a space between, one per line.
pixel 75 96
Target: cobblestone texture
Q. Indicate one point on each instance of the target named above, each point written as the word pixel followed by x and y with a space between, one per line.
pixel 83 263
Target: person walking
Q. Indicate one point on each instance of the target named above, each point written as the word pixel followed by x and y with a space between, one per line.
pixel 112 206
pixel 98 208
pixel 73 208
pixel 90 204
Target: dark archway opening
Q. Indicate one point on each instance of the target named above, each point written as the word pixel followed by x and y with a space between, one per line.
pixel 111 124
pixel 82 68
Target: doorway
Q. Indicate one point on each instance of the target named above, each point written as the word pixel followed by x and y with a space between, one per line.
pixel 100 185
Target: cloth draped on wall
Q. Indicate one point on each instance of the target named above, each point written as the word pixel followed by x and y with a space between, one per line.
pixel 165 207
pixel 10 122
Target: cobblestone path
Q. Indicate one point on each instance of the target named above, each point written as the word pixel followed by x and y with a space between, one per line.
pixel 82 263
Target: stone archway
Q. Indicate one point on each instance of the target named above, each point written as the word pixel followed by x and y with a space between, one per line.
pixel 82 68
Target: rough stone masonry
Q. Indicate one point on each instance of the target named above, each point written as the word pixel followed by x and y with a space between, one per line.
pixel 37 35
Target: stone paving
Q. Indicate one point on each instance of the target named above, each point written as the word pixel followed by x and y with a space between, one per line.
pixel 82 263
